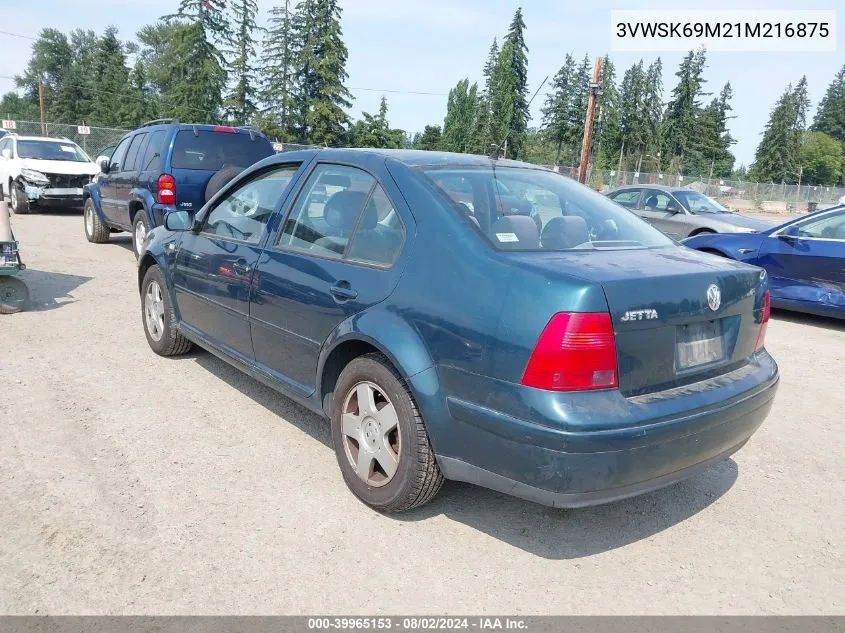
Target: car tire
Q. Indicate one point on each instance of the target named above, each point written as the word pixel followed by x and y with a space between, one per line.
pixel 158 317
pixel 95 230
pixel 387 426
pixel 19 202
pixel 140 228
pixel 219 180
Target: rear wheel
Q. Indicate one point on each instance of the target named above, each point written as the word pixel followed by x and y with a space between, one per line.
pixel 20 204
pixel 380 441
pixel 140 228
pixel 14 295
pixel 159 318
pixel 95 231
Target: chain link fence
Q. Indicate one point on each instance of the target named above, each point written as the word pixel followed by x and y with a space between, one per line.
pixel 732 193
pixel 92 139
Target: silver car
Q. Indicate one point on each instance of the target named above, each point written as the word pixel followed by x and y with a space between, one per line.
pixel 680 212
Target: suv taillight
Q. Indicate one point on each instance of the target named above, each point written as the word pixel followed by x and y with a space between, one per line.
pixel 767 310
pixel 575 352
pixel 166 193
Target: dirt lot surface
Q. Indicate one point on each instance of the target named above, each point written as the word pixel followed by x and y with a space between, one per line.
pixel 135 484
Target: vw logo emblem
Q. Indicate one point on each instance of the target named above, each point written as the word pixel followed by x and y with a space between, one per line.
pixel 714 297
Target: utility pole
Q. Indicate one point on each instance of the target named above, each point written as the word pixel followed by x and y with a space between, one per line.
pixel 588 122
pixel 619 166
pixel 41 103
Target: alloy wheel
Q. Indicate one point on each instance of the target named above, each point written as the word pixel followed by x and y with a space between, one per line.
pixel 154 311
pixel 370 432
pixel 89 219
pixel 140 234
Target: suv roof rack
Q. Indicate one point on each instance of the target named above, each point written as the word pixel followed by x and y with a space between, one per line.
pixel 158 122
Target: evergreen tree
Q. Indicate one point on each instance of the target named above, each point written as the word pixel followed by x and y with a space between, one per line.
pixel 607 135
pixel 79 89
pixel 112 82
pixel 430 139
pixel 653 102
pixel 775 160
pixel 830 116
pixel 557 112
pixel 682 112
pixel 634 128
pixel 510 103
pixel 461 117
pixel 50 61
pixel 322 66
pixel 277 69
pixel 241 101
pixel 141 106
pixel 710 148
pixel 483 137
pixel 578 109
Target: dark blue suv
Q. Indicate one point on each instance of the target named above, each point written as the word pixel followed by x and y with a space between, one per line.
pixel 162 166
pixel 567 353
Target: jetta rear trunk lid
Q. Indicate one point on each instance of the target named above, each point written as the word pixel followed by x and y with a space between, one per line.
pixel 678 315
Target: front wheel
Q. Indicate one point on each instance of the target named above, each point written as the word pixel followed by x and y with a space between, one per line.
pixel 14 295
pixel 20 204
pixel 95 231
pixel 159 318
pixel 379 438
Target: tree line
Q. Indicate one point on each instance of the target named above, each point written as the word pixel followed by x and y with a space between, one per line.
pixel 210 61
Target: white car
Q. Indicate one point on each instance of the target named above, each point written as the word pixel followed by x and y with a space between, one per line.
pixel 40 171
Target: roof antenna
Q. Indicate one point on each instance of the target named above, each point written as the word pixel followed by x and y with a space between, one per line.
pixel 497 149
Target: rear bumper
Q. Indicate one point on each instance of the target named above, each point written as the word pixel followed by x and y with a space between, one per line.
pixel 620 447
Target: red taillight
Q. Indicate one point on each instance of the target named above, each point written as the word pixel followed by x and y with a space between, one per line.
pixel 767 310
pixel 575 352
pixel 166 193
pixel 223 128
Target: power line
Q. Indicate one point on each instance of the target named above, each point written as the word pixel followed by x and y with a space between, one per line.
pixel 25 37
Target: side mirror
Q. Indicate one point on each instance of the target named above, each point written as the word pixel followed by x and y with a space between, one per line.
pixel 178 221
pixel 673 208
pixel 103 164
pixel 7 153
pixel 790 233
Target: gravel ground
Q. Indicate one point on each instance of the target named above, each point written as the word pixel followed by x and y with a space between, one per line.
pixel 133 484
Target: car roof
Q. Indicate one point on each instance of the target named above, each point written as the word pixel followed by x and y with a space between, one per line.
pixel 49 139
pixel 408 157
pixel 657 187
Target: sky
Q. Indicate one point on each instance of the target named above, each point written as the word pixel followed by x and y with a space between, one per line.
pixel 401 48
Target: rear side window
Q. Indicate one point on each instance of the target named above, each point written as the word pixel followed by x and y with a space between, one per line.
pixel 326 211
pixel 210 151
pixel 132 152
pixel 153 159
pixel 627 199
pixel 379 235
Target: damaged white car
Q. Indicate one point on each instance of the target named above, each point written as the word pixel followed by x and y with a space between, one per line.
pixel 37 171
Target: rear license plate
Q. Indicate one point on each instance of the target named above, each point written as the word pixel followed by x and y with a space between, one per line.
pixel 699 344
pixel 63 191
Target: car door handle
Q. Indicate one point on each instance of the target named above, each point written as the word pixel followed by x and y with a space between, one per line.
pixel 342 292
pixel 241 267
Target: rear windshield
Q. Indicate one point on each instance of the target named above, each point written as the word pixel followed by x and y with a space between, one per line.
pixel 520 209
pixel 211 151
pixel 52 150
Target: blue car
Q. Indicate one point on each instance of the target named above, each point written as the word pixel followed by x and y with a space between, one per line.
pixel 805 259
pixel 162 166
pixel 573 355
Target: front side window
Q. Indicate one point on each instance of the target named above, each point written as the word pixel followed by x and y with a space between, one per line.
pixel 244 213
pixel 116 159
pixel 523 209
pixel 52 150
pixel 830 227
pixel 324 216
pixel 656 201
pixel 699 203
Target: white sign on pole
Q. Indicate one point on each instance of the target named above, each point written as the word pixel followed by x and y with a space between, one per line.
pixel 278 147
pixel 9 125
pixel 83 129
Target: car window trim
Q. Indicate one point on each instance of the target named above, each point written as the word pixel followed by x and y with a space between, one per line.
pixel 252 178
pixel 276 247
pixel 816 217
pixel 144 137
pixel 128 137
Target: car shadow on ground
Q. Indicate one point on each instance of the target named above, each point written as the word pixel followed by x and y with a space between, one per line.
pixel 801 318
pixel 49 290
pixel 547 532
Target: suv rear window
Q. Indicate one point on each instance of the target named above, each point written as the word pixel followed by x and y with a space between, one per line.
pixel 521 209
pixel 210 151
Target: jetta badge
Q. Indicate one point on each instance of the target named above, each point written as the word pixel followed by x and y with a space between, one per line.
pixel 639 315
pixel 714 297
